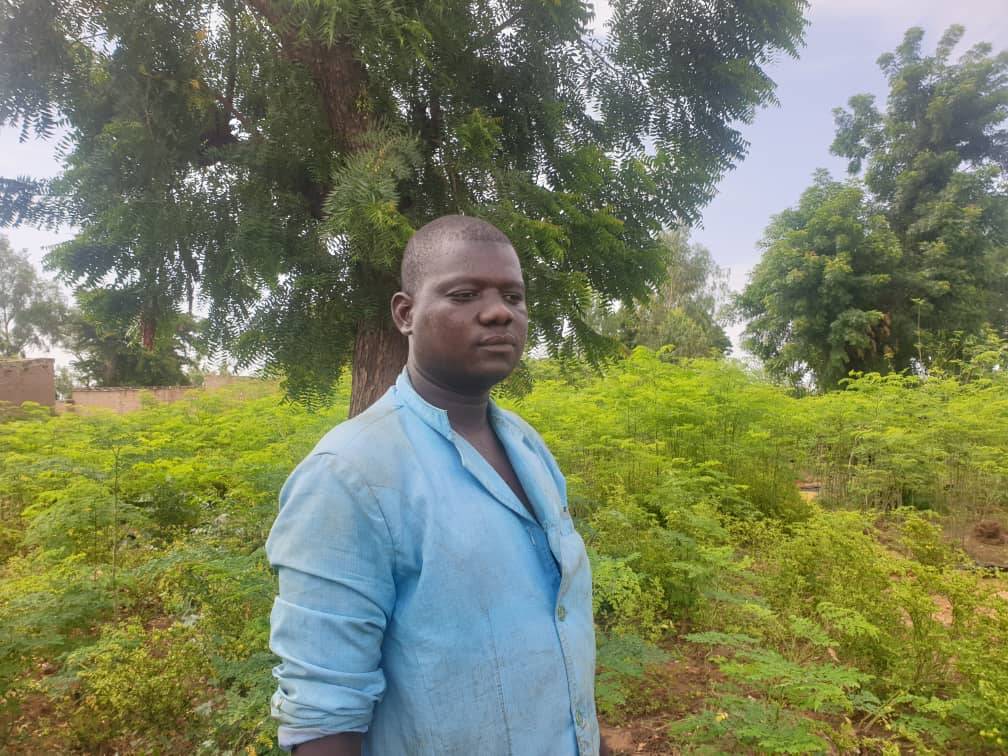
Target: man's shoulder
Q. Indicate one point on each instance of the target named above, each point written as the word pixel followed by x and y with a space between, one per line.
pixel 368 450
pixel 365 434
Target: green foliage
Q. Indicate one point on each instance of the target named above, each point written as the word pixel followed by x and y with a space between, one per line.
pixel 32 310
pixel 271 156
pixel 809 686
pixel 745 723
pixel 111 348
pixel 981 704
pixel 858 635
pixel 656 563
pixel 622 599
pixel 701 430
pixel 134 568
pixel 685 316
pixel 135 596
pixel 45 604
pixel 892 441
pixel 883 273
pixel 817 300
pixel 135 682
pixel 623 661
pixel 921 537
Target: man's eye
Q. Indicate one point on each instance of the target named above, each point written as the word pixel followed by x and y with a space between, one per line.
pixel 514 298
pixel 462 295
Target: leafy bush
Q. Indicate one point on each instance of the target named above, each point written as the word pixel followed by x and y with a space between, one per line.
pixel 135 570
pixel 138 683
pixel 135 595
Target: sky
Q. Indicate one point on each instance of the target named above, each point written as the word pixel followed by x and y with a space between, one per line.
pixel 787 143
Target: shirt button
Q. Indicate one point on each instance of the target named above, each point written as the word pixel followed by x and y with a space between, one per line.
pixel 561 612
pixel 579 719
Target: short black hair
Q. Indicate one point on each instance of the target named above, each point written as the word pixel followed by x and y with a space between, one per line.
pixel 428 239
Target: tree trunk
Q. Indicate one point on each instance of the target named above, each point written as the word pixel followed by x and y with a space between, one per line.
pixel 379 355
pixel 339 75
pixel 148 327
pixel 379 349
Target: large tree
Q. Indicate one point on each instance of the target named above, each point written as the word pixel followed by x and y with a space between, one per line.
pixel 272 156
pixel 878 273
pixel 821 299
pixel 32 310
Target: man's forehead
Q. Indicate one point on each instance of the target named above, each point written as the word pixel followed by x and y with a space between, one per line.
pixel 461 256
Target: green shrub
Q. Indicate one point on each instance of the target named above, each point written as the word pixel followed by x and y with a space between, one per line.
pixel 133 573
pixel 137 682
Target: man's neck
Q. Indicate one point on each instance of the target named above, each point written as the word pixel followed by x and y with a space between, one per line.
pixel 467 413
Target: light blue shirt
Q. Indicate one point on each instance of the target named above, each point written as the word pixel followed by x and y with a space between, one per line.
pixel 420 603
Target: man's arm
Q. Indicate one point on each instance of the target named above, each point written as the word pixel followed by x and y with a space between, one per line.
pixel 344 744
pixel 333 554
pixel 349 744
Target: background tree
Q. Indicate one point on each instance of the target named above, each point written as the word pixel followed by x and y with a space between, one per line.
pixel 32 310
pixel 970 356
pixel 273 156
pixel 65 381
pixel 109 346
pixel 685 314
pixel 820 301
pixel 878 274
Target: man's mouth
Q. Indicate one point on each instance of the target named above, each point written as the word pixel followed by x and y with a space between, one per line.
pixel 502 339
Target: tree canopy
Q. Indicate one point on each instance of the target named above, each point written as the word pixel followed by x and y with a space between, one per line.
pixel 686 314
pixel 879 272
pixel 108 346
pixel 32 310
pixel 271 157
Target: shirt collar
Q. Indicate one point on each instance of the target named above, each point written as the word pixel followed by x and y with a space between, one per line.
pixel 436 417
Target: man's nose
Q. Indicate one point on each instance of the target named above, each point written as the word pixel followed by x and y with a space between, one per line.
pixel 496 311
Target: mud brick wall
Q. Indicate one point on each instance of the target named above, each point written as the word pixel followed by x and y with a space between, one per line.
pixel 28 381
pixel 124 399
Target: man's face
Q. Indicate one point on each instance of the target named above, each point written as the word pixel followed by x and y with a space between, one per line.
pixel 467 320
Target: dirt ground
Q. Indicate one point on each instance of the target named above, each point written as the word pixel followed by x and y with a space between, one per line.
pixel 678 689
pixel 643 736
pixel 985 553
pixel 960 533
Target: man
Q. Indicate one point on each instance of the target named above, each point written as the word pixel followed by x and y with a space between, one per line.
pixel 434 595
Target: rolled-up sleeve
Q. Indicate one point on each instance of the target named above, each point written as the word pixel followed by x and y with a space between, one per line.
pixel 334 557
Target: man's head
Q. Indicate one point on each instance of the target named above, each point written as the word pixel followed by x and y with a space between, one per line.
pixel 462 303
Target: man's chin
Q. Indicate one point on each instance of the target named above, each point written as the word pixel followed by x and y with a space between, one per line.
pixel 482 378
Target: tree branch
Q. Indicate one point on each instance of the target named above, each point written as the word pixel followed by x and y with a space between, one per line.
pixel 232 74
pixel 337 72
pixel 492 34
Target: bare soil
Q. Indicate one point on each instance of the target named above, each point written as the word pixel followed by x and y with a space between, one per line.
pixel 990 532
pixel 671 692
pixel 986 542
pixel 987 554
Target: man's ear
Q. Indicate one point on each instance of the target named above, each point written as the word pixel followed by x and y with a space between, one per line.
pixel 402 312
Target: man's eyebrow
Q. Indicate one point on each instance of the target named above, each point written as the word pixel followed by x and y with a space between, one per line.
pixel 463 280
